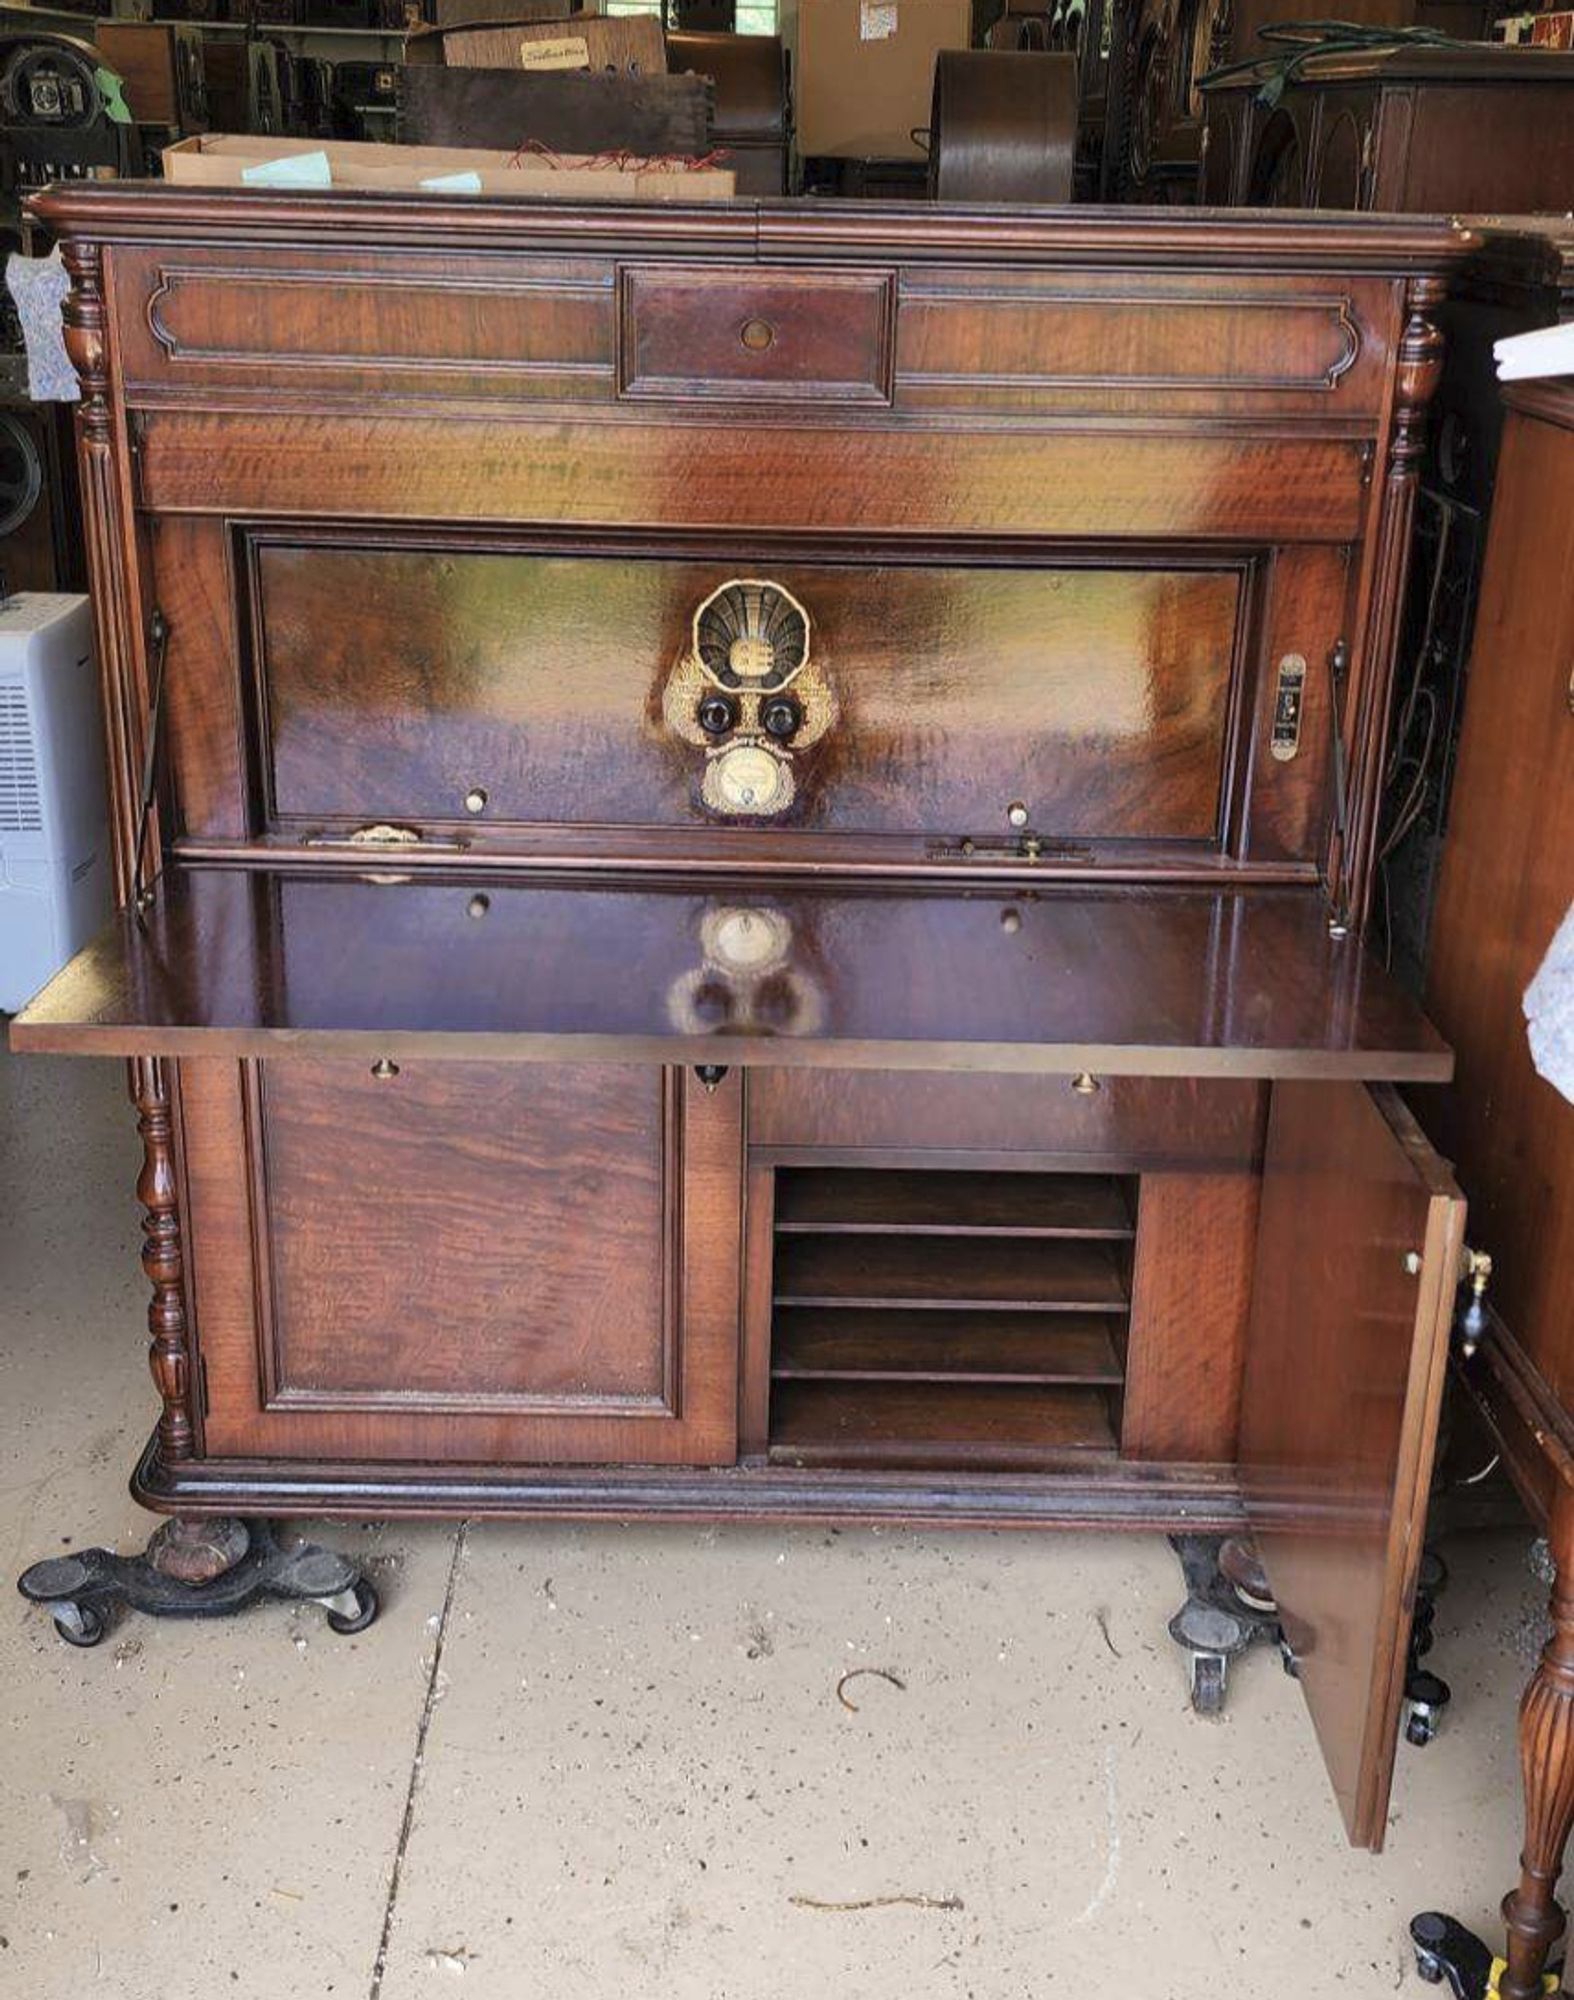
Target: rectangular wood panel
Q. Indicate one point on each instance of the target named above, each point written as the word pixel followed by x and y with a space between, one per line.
pixel 732 475
pixel 455 1264
pixel 1098 699
pixel 1021 341
pixel 1357 1262
pixel 1141 1121
pixel 456 1235
pixel 1507 883
pixel 757 336
pixel 1190 1306
pixel 314 322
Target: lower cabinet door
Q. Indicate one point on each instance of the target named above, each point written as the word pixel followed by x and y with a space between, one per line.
pixel 443 1260
pixel 1358 1258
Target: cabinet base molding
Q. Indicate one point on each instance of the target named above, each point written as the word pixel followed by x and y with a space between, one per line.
pixel 1154 1498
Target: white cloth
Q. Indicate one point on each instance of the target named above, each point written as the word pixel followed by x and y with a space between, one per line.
pixel 39 286
pixel 1549 1011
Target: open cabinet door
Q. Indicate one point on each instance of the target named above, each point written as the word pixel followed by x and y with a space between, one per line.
pixel 1358 1255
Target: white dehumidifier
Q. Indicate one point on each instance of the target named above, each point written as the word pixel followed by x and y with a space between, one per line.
pixel 54 821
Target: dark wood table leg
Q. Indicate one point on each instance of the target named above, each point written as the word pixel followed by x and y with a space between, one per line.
pixel 1531 1911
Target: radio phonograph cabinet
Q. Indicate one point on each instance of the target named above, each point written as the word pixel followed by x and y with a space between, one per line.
pixel 758 819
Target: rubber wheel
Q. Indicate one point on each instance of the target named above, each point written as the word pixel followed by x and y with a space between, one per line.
pixel 366 1609
pixel 1419 1731
pixel 89 1633
pixel 1207 1683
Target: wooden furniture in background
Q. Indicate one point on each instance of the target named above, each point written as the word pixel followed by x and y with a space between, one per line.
pixel 1155 112
pixel 160 65
pixel 1521 277
pixel 1003 127
pixel 1507 884
pixel 752 124
pixel 1430 131
pixel 752 907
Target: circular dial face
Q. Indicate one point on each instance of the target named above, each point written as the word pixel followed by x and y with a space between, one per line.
pixel 750 779
pixel 751 634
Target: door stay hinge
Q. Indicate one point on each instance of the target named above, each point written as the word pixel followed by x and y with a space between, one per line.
pixel 158 646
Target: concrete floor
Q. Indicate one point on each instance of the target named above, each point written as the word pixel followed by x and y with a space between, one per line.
pixel 574 1763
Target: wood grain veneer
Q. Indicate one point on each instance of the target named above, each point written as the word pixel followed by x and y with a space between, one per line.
pixel 469 1161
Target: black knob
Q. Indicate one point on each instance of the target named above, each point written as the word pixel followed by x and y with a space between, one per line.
pixel 781 717
pixel 718 714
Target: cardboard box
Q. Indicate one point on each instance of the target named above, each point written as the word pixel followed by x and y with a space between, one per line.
pixel 632 43
pixel 218 159
pixel 864 72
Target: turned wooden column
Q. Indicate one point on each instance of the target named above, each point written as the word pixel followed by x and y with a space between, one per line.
pixel 163 1258
pixel 1419 370
pixel 1532 1913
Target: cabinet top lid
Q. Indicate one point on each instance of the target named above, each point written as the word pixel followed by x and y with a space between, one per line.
pixel 774 231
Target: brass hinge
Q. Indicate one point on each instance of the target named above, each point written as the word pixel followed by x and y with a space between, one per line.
pixel 1475 1270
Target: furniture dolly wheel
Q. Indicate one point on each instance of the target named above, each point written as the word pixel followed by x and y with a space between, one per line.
pixel 1447 1952
pixel 1217 1621
pixel 79 1624
pixel 1209 1672
pixel 1426 1694
pixel 202 1570
pixel 353 1610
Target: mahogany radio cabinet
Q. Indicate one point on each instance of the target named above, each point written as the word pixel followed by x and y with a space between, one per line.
pixel 745 832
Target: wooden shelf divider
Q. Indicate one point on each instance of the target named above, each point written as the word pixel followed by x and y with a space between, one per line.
pixel 948 1318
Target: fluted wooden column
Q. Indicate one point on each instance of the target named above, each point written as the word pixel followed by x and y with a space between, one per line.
pixel 1531 1911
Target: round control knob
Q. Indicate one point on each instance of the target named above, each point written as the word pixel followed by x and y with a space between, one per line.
pixel 718 714
pixel 781 717
pixel 750 779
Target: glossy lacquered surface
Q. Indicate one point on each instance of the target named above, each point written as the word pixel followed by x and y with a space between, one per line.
pixel 425 494
pixel 1100 699
pixel 1141 983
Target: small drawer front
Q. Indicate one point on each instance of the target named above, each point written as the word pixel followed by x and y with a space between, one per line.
pixel 1129 1123
pixel 757 335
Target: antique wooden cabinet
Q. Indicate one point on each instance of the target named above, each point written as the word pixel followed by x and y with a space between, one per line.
pixel 1506 887
pixel 1429 130
pixel 759 822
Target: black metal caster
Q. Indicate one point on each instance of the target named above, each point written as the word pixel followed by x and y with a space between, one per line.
pixel 79 1624
pixel 1425 1699
pixel 364 1613
pixel 1216 1623
pixel 1446 1951
pixel 1209 1672
pixel 82 1592
pixel 1426 1694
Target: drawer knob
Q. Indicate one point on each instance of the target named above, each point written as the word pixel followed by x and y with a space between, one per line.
pixel 1085 1085
pixel 383 1069
pixel 757 335
pixel 475 799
